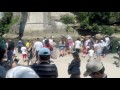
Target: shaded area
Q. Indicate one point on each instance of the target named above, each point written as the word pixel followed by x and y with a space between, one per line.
pixel 85 32
pixel 23 23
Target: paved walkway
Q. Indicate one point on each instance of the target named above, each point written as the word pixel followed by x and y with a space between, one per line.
pixel 62 64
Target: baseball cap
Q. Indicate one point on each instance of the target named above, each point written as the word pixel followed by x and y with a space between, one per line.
pixel 93 66
pixel 21 72
pixel 2 72
pixel 44 51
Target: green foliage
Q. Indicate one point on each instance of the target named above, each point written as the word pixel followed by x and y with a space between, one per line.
pixel 95 28
pixel 15 20
pixel 98 21
pixel 107 30
pixel 67 19
pixel 81 16
pixel 99 17
pixel 4 22
pixel 69 29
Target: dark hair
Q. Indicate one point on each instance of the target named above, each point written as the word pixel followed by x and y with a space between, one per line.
pixel 78 38
pixel 44 57
pixel 76 54
pixel 102 70
pixel 46 41
pixel 2 52
pixel 53 40
pixel 38 39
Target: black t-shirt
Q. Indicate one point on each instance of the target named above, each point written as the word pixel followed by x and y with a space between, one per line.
pixel 45 70
pixel 11 45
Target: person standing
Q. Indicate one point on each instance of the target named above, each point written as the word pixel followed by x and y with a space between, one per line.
pixel 43 68
pixel 62 47
pixel 77 45
pixel 27 44
pixel 71 44
pixel 95 69
pixel 48 45
pixel 9 55
pixel 74 67
pixel 11 44
pixel 30 54
pixel 98 50
pixel 90 53
pixel 20 44
pixel 37 46
pixel 24 52
pixel 54 52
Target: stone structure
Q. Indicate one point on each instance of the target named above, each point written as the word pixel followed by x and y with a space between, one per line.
pixel 39 24
pixel 34 21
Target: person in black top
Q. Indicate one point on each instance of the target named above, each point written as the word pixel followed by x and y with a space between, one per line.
pixel 43 68
pixel 11 44
pixel 74 67
pixel 4 66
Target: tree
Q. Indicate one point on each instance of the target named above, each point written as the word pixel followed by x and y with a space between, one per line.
pixel 67 19
pixel 4 22
pixel 96 21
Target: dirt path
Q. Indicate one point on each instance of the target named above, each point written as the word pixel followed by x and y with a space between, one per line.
pixel 62 64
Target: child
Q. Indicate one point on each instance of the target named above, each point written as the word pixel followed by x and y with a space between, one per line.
pixel 90 53
pixel 24 52
pixel 74 67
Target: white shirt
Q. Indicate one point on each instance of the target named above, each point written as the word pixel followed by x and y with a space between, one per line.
pixel 14 52
pixel 107 40
pixel 38 45
pixel 91 52
pixel 103 44
pixel 24 50
pixel 99 49
pixel 77 44
pixel 51 41
pixel 44 41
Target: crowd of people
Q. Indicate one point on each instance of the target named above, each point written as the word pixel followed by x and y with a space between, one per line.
pixel 44 50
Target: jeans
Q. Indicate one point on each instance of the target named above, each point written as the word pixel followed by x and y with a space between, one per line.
pixel 37 55
pixel 19 49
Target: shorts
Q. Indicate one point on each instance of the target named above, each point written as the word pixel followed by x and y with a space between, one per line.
pixel 24 55
pixel 62 48
pixel 98 54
